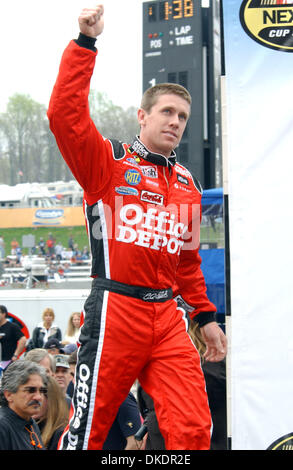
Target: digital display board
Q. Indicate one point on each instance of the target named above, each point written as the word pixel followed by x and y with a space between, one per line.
pixel 181 44
pixel 170 10
pixel 172 52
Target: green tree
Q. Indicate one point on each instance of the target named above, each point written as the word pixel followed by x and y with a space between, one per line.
pixel 28 150
pixel 21 126
pixel 4 160
pixel 111 120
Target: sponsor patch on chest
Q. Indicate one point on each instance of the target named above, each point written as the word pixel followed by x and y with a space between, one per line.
pixel 132 177
pixel 149 171
pixel 153 198
pixel 126 191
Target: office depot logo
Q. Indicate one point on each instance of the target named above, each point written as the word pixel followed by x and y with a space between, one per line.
pixel 152 225
pixel 82 399
pixel 156 229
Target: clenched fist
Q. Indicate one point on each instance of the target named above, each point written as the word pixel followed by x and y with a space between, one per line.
pixel 91 21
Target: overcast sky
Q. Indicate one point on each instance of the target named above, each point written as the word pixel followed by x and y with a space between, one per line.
pixel 34 33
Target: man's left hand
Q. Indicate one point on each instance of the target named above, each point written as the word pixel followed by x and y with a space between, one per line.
pixel 216 342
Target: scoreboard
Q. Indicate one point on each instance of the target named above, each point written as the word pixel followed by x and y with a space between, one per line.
pixel 167 10
pixel 173 52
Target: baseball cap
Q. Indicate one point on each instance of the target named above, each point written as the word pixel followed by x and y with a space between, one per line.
pixel 61 361
pixel 69 348
pixel 53 343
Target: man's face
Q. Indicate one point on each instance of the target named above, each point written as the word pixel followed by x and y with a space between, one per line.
pixel 47 364
pixel 72 372
pixel 63 377
pixel 162 128
pixel 2 318
pixel 54 351
pixel 28 399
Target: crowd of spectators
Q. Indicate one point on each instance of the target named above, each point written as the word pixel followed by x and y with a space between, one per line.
pixel 34 417
pixel 51 249
pixel 37 378
pixel 56 257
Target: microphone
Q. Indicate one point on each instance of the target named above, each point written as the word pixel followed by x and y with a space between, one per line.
pixel 141 433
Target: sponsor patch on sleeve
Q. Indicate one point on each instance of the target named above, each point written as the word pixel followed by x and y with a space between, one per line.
pixel 182 179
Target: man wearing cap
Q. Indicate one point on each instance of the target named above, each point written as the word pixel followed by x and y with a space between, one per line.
pixel 54 346
pixel 62 374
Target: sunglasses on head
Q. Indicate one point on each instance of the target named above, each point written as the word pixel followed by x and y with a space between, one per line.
pixel 32 390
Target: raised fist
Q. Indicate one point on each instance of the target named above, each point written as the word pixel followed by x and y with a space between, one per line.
pixel 91 21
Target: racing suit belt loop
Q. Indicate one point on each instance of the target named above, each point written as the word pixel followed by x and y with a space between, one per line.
pixel 138 292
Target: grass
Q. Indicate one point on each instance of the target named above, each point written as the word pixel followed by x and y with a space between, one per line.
pixel 208 235
pixel 79 235
pixel 61 234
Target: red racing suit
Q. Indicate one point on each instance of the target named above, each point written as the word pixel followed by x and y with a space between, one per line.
pixel 142 215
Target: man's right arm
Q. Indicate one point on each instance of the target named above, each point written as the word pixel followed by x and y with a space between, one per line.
pixel 85 151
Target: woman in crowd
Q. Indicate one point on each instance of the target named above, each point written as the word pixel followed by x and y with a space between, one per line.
pixel 45 330
pixel 53 416
pixel 72 332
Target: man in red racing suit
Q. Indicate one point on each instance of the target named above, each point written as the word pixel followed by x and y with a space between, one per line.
pixel 142 213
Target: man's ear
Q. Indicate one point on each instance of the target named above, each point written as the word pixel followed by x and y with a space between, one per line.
pixel 7 395
pixel 140 116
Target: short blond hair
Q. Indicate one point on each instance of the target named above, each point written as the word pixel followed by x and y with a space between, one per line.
pixel 151 95
pixel 48 311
